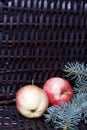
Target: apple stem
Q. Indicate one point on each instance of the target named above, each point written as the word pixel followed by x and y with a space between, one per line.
pixel 32 81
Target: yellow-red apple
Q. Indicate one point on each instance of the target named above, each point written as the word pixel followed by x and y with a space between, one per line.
pixel 31 101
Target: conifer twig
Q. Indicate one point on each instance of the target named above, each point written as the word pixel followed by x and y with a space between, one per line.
pixel 68 115
pixel 75 69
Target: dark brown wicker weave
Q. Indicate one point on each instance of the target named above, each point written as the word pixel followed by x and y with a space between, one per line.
pixel 37 38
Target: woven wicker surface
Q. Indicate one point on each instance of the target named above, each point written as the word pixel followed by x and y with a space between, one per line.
pixel 10 119
pixel 37 38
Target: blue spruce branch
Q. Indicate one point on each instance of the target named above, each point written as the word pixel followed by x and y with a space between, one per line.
pixel 75 70
pixel 78 73
pixel 68 115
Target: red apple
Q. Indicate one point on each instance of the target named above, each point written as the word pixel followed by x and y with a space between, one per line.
pixel 31 101
pixel 59 90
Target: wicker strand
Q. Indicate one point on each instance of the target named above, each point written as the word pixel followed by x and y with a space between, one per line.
pixel 5 102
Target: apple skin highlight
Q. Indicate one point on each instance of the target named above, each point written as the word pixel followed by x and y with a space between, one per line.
pixel 58 90
pixel 31 101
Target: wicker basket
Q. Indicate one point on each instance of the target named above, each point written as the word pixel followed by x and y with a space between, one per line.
pixel 37 37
